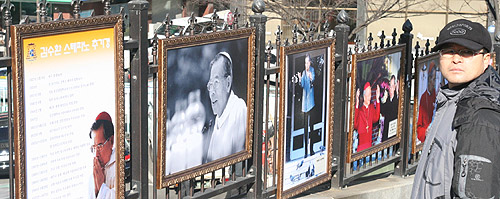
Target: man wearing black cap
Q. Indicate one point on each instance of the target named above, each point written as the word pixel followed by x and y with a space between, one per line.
pixel 461 155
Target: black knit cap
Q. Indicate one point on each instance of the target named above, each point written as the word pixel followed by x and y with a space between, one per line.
pixel 471 35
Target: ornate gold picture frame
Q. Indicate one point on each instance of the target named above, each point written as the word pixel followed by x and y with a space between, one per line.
pixel 382 69
pixel 65 74
pixel 206 99
pixel 424 98
pixel 306 116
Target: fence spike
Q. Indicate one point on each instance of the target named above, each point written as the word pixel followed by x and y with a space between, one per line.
pixel 76 4
pixel 43 10
pixel 382 37
pixel 107 7
pixel 214 18
pixel 417 47
pixel 295 31
pixel 427 44
pixel 236 15
pixel 342 17
pixel 370 39
pixel 394 35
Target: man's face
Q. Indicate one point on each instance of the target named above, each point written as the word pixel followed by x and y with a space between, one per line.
pixel 218 87
pixel 308 63
pixel 458 70
pixel 367 95
pixel 392 87
pixel 103 153
pixel 431 81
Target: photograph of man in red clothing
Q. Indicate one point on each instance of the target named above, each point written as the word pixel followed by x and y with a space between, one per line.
pixel 366 115
pixel 427 102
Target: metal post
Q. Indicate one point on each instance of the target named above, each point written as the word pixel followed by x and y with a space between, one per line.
pixel 7 8
pixel 258 20
pixel 139 96
pixel 496 48
pixel 406 38
pixel 340 99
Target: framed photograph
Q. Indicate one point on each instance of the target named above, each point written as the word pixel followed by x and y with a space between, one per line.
pixel 428 80
pixel 206 100
pixel 306 116
pixel 376 107
pixel 69 108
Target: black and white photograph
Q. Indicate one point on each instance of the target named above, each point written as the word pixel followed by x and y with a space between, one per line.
pixel 306 137
pixel 207 105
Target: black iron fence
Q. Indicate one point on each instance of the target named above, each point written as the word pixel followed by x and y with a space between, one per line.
pixel 256 177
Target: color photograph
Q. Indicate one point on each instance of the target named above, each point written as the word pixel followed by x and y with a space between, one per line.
pixel 375 101
pixel 306 135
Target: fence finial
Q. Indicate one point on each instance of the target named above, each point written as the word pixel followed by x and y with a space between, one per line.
pixel 382 37
pixel 370 39
pixel 76 8
pixel 7 9
pixel 326 27
pixel 342 17
pixel 394 35
pixel 417 47
pixel 407 26
pixel 43 10
pixel 269 48
pixel 214 18
pixel 427 44
pixel 295 32
pixel 107 7
pixel 192 21
pixel 236 15
pixel 258 6
pixel 168 25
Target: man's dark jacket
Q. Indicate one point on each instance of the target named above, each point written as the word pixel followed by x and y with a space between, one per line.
pixel 477 122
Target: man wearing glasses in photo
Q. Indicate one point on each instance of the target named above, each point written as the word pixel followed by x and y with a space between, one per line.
pixel 102 132
pixel 229 131
pixel 461 154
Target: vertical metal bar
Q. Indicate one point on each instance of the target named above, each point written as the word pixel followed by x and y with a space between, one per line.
pixel 192 183
pixel 179 190
pixel 139 96
pixel 276 100
pixel 155 133
pixel 266 122
pixel 223 176
pixel 406 37
pixel 340 100
pixel 258 20
pixel 167 190
pixel 7 17
pixel 202 183
pixel 233 172
pixel 213 180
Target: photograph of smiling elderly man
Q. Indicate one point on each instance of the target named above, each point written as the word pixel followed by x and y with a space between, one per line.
pixel 228 134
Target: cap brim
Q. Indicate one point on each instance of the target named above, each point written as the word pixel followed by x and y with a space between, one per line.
pixel 460 41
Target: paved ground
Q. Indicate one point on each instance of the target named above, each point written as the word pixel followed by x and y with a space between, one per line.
pixel 4 187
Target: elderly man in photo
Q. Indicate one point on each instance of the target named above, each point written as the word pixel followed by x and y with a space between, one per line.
pixel 366 115
pixel 427 103
pixel 461 154
pixel 102 132
pixel 229 131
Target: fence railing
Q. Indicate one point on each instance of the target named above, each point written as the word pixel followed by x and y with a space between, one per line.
pixel 256 177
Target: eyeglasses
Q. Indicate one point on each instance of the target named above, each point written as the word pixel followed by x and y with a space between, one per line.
pixel 212 84
pixel 464 53
pixel 97 147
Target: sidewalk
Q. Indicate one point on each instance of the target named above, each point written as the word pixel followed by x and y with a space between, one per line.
pixel 383 186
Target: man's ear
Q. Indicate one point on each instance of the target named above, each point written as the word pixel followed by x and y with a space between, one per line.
pixel 228 83
pixel 112 139
pixel 486 60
